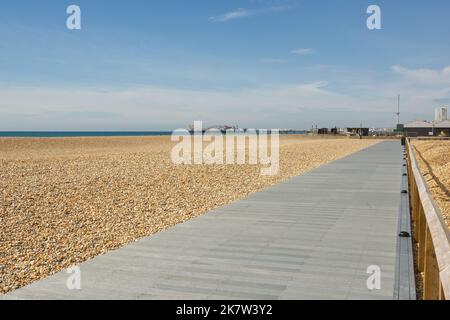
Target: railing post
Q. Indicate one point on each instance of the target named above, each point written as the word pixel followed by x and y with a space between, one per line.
pixel 431 273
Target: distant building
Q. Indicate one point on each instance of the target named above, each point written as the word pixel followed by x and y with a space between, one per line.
pixel 425 128
pixel 418 128
pixel 384 131
pixel 400 127
pixel 358 131
pixel 442 128
pixel 440 114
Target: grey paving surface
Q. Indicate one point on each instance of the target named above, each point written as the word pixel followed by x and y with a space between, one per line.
pixel 312 237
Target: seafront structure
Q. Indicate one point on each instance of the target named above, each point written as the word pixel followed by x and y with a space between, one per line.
pixel 422 128
pixel 439 127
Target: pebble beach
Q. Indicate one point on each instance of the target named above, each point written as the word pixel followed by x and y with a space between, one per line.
pixel 66 200
pixel 434 162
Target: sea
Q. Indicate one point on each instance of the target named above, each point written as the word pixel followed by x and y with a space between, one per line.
pixel 65 134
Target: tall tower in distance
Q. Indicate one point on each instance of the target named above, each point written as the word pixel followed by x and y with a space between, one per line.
pixel 440 114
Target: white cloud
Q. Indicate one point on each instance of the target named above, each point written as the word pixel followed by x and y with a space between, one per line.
pixel 295 105
pixel 243 13
pixel 302 51
pixel 421 91
pixel 424 76
pixel 239 13
pixel 161 108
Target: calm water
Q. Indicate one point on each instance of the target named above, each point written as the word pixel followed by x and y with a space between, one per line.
pixel 61 134
pixel 54 134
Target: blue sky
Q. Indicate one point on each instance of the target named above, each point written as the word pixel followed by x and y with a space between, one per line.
pixel 152 65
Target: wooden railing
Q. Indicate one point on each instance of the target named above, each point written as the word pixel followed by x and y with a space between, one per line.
pixel 430 233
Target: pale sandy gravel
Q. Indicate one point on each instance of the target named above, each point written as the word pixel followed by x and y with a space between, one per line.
pixel 65 200
pixel 434 162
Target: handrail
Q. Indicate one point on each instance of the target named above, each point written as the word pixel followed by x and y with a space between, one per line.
pixel 431 234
